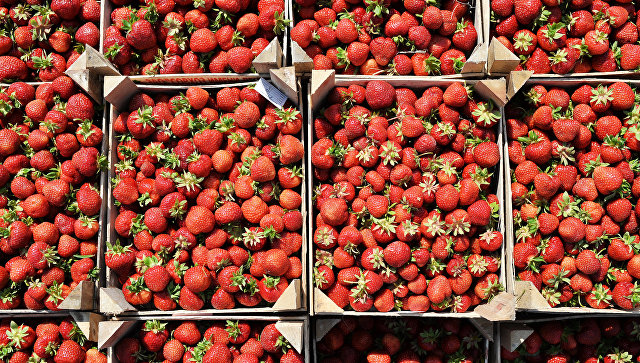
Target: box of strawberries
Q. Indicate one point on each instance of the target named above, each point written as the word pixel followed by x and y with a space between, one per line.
pixel 408 207
pixel 207 200
pixel 379 38
pixel 223 339
pixel 53 168
pixel 572 220
pixel 568 39
pixel 186 37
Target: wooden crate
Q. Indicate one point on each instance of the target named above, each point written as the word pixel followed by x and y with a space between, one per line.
pixel 294 329
pixel 118 90
pixel 502 307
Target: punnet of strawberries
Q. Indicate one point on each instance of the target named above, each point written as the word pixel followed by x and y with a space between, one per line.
pixel 386 340
pixel 573 36
pixel 575 187
pixel 410 37
pixel 588 340
pixel 39 39
pixel 56 340
pixel 206 341
pixel 184 36
pixel 208 191
pixel 50 141
pixel 405 215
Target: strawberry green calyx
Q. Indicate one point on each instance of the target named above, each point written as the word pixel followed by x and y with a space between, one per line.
pixel 40 27
pixel 253 237
pixel 271 282
pixel 145 116
pixel 523 41
pixel 601 95
pixel 201 349
pixel 283 344
pixel 180 104
pixel 17 334
pixel 485 114
pixel 154 326
pixel 319 277
pixel 189 181
pixel 432 65
pixel 43 62
pixel 280 23
pixel 619 356
pixel 137 285
pixel 343 59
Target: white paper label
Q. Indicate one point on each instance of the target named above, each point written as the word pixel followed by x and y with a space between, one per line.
pixel 271 93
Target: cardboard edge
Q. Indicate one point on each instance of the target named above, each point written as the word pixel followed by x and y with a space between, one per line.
pixel 290 298
pixel 515 81
pixel 501 60
pixel 293 331
pixel 111 331
pixel 112 301
pixel 512 335
pixel 118 90
pixel 528 297
pixel 485 327
pixel 285 80
pixel 300 59
pixel 493 89
pixel 88 323
pixel 501 308
pixel 477 60
pixel 323 326
pixel 323 304
pixel 322 81
pixel 269 58
pixel 80 298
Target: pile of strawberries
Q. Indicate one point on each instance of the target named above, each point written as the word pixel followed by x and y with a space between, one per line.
pixel 206 36
pixel 386 340
pixel 574 162
pixel 592 340
pixel 59 341
pixel 405 215
pixel 219 341
pixel 207 189
pixel 39 40
pixel 50 202
pixel 386 37
pixel 576 36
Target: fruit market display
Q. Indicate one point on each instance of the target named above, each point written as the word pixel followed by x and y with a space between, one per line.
pixel 574 163
pixel 208 192
pixel 588 340
pixel 405 212
pixel 410 37
pixel 39 40
pixel 50 141
pixel 367 339
pixel 204 36
pixel 48 340
pixel 574 36
pixel 206 341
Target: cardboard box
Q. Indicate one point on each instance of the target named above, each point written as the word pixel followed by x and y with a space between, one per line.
pixel 86 321
pixel 84 296
pixel 294 329
pixel 510 335
pixel 475 66
pixel 528 298
pixel 118 91
pixel 322 325
pixel 501 61
pixel 502 307
pixel 272 57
